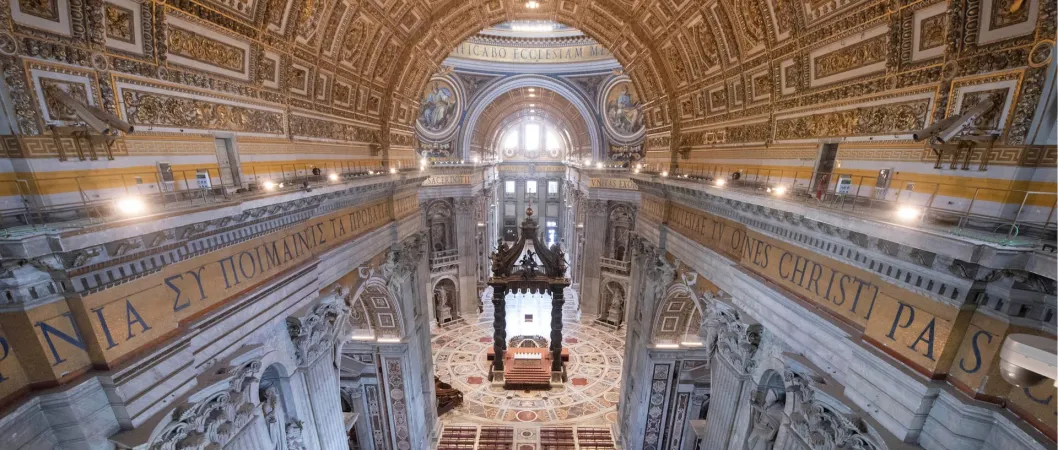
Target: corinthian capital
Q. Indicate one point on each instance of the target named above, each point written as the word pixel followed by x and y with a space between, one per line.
pixel 465 204
pixel 595 207
pixel 314 334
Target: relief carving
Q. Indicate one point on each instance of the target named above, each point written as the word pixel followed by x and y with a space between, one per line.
pixel 205 50
pixel 148 108
pixel 858 55
pixel 119 23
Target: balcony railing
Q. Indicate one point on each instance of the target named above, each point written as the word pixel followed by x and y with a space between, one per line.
pixel 1010 217
pixel 88 200
pixel 616 266
pixel 443 259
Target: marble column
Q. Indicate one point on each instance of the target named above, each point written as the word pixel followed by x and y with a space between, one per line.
pixel 557 301
pixel 732 363
pixel 499 326
pixel 325 398
pixel 253 436
pixel 313 336
pixel 353 391
pixel 466 225
pixel 591 271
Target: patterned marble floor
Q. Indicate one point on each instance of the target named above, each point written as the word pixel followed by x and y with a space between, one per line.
pixel 588 398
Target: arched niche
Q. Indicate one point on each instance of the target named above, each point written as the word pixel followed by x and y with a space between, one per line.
pixel 612 302
pixel 277 404
pixel 618 234
pixel 767 415
pixel 445 297
pixel 677 318
pixel 561 87
pixel 440 227
pixel 384 319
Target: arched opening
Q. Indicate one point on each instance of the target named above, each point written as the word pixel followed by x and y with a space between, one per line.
pixel 446 301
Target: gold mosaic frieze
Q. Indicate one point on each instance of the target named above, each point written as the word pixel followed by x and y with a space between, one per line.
pixel 203 49
pixel 860 54
pixel 150 108
pixel 894 118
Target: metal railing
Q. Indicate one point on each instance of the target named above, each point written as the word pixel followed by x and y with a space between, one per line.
pixel 616 265
pixel 89 200
pixel 444 258
pixel 1003 216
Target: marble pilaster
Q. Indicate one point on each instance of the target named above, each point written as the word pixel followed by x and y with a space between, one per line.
pixel 324 396
pixel 466 228
pixel 594 243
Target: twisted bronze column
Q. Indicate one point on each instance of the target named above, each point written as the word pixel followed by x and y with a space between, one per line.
pixel 499 326
pixel 556 327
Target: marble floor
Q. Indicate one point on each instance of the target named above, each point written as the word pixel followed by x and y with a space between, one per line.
pixel 589 398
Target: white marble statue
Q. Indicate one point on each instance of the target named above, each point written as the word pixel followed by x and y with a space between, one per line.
pixel 766 427
pixel 617 303
pixel 444 311
pixel 295 440
pixel 275 417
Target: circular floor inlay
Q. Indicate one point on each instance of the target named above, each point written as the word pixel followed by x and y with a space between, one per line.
pixel 588 401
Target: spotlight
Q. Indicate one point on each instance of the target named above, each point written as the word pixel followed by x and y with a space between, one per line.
pixel 532 4
pixel 720 182
pixel 532 89
pixel 587 161
pixel 281 185
pixel 475 159
pixel 778 190
pixel 370 172
pixel 333 176
pixel 598 165
pixel 269 186
pixel 636 170
pixel 131 206
pixel 393 171
pixel 908 213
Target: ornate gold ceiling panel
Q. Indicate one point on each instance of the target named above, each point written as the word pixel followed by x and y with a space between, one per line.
pixel 697 64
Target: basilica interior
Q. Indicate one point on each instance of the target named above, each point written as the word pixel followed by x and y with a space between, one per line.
pixel 528 225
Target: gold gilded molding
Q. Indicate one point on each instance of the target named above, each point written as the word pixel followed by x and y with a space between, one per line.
pixel 45 9
pixel 932 31
pixel 205 50
pixel 860 54
pixel 119 23
pixel 150 108
pixel 893 118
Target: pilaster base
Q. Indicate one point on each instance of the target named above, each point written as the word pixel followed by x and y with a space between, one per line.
pixel 558 378
pixel 496 377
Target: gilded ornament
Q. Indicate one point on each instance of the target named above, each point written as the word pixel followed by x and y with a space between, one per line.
pixel 8 45
pixel 871 120
pixel 147 108
pixel 1041 54
pixel 45 9
pixel 1008 12
pixel 858 55
pixel 56 109
pixel 203 49
pixel 932 32
pixel 119 23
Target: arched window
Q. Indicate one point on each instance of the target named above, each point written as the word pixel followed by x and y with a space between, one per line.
pixel 533 137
